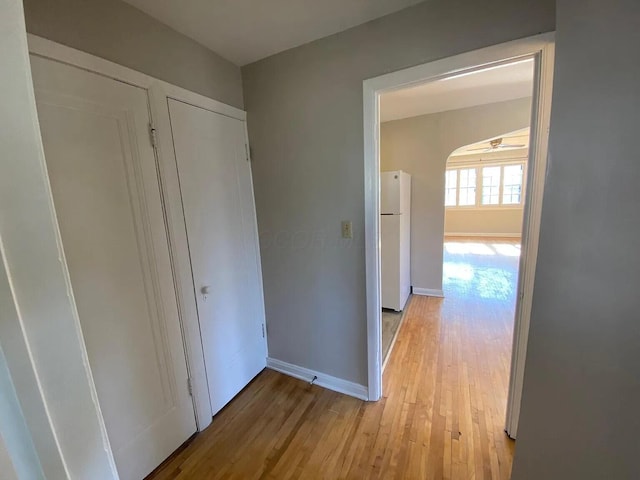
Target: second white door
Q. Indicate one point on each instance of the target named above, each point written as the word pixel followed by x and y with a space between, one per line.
pixel 217 195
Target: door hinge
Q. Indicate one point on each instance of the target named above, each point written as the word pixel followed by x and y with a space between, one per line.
pixel 153 135
pixel 263 330
pixel 247 151
pixel 190 386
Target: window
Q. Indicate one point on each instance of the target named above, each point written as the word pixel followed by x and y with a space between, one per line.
pixel 451 188
pixel 485 186
pixel 467 189
pixel 490 185
pixel 512 187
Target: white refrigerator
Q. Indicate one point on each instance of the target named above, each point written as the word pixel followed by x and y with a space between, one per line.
pixel 395 238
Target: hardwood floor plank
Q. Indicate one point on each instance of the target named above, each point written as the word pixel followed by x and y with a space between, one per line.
pixel 441 417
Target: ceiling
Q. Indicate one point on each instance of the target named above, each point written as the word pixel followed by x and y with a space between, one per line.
pixel 244 31
pixel 494 84
pixel 481 150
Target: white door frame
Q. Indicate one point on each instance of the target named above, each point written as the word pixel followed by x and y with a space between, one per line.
pixel 541 49
pixel 158 93
pixel 40 328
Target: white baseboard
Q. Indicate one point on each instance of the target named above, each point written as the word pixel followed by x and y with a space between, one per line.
pixel 428 292
pixel 323 380
pixel 480 235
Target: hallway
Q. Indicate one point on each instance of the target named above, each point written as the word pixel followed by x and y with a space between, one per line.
pixel 442 414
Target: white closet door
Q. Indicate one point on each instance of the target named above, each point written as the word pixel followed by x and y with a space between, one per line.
pixel 217 193
pixel 105 187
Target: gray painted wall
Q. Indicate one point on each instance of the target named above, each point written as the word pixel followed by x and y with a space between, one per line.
pixel 115 30
pixel 420 146
pixel 305 125
pixel 579 417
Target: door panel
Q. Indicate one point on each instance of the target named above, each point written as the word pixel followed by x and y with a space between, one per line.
pixel 105 188
pixel 217 194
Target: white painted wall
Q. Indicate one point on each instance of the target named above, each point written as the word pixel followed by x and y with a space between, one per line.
pixel 483 222
pixel 6 464
pixel 579 415
pixel 18 360
pixel 18 448
pixel 305 118
pixel 421 146
pixel 38 307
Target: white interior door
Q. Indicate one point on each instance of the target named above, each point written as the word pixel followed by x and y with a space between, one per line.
pixel 105 187
pixel 217 193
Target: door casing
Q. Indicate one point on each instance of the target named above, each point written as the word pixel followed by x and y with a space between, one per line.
pixel 541 48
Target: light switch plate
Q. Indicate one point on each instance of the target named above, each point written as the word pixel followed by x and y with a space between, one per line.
pixel 346 229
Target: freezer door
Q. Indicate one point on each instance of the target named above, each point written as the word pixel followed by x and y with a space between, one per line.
pixel 390 193
pixel 395 192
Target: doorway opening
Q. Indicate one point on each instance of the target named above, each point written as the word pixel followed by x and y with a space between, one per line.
pixel 484 203
pixel 427 261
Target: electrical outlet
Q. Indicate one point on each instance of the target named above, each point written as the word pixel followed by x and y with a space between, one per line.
pixel 346 229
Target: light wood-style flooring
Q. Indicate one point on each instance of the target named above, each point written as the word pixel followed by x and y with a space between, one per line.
pixel 441 417
pixel 390 325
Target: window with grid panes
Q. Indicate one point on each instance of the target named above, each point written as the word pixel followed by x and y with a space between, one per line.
pixel 512 184
pixel 451 188
pixel 467 186
pixel 485 186
pixel 491 185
